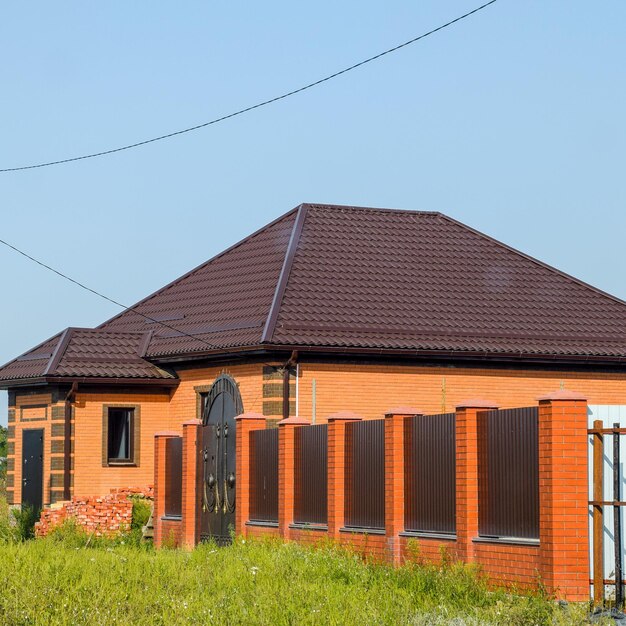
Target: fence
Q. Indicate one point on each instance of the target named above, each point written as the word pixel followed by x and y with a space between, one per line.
pixel 311 475
pixel 174 477
pixel 508 496
pixel 604 554
pixel 365 474
pixel 430 476
pixel 415 485
pixel 264 475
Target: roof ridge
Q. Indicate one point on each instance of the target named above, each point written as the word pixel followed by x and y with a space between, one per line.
pixel 283 278
pixel 534 260
pixel 197 268
pixel 351 207
pixel 59 351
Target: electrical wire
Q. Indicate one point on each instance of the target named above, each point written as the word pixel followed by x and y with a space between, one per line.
pixel 254 106
pixel 256 399
pixel 104 297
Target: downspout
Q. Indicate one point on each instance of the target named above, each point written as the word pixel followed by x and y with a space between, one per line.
pixel 67 446
pixel 286 371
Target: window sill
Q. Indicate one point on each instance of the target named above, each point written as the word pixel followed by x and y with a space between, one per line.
pixel 514 541
pixel 171 518
pixel 426 535
pixel 262 523
pixel 121 464
pixel 299 526
pixel 362 531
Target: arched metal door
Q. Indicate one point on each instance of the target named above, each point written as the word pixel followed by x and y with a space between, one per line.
pixel 222 404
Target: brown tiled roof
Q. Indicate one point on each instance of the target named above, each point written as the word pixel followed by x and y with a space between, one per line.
pixel 85 352
pixel 348 278
pixel 31 364
pixel 222 304
pixel 374 278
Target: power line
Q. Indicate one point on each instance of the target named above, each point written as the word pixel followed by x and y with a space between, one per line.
pixel 254 106
pixel 255 399
pixel 101 295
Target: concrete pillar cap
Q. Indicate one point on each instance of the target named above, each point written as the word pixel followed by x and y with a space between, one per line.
pixel 167 433
pixel 344 415
pixel 250 416
pixel 562 394
pixel 294 421
pixel 477 403
pixel 193 423
pixel 404 410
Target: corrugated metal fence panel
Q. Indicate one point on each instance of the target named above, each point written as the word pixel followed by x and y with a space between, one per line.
pixel 264 475
pixel 609 414
pixel 365 474
pixel 174 476
pixel 430 473
pixel 311 479
pixel 509 473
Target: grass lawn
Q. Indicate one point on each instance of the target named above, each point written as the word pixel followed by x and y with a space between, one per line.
pixel 69 578
pixel 53 582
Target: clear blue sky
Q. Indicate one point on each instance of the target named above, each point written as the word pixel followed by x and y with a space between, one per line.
pixel 512 121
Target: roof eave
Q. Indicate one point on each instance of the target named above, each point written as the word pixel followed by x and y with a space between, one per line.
pixel 442 355
pixel 91 380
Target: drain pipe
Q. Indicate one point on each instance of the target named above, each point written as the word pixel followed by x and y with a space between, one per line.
pixel 286 370
pixel 67 446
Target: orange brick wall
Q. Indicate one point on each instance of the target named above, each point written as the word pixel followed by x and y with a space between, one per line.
pixel 158 412
pixel 23 401
pixel 183 405
pixel 370 390
pixel 90 477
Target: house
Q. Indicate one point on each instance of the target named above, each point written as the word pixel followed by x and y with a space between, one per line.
pixel 327 308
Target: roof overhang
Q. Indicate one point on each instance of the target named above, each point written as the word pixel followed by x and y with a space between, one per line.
pixel 59 380
pixel 449 356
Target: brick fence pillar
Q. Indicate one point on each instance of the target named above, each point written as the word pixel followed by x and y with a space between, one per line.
pixel 192 475
pixel 246 423
pixel 467 475
pixel 160 473
pixel 337 469
pixel 394 478
pixel 286 471
pixel 563 495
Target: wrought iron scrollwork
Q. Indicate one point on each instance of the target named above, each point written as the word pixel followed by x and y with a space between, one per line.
pixel 229 483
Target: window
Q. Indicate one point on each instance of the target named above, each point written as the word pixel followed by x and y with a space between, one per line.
pixel 120 436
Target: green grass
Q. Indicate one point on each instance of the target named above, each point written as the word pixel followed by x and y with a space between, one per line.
pixel 72 578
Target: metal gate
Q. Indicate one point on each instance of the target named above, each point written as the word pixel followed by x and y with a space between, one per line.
pixel 222 404
pixel 605 423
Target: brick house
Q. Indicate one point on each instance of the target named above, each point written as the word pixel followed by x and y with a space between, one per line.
pixel 325 309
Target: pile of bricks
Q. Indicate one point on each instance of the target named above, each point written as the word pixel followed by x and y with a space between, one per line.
pixel 100 516
pixel 145 492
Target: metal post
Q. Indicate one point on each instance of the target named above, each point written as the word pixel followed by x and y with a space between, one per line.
pixel 617 519
pixel 598 514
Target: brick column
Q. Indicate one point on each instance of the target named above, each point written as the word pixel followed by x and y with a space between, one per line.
pixel 192 475
pixel 467 475
pixel 246 423
pixel 394 478
pixel 286 471
pixel 336 469
pixel 160 473
pixel 563 495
